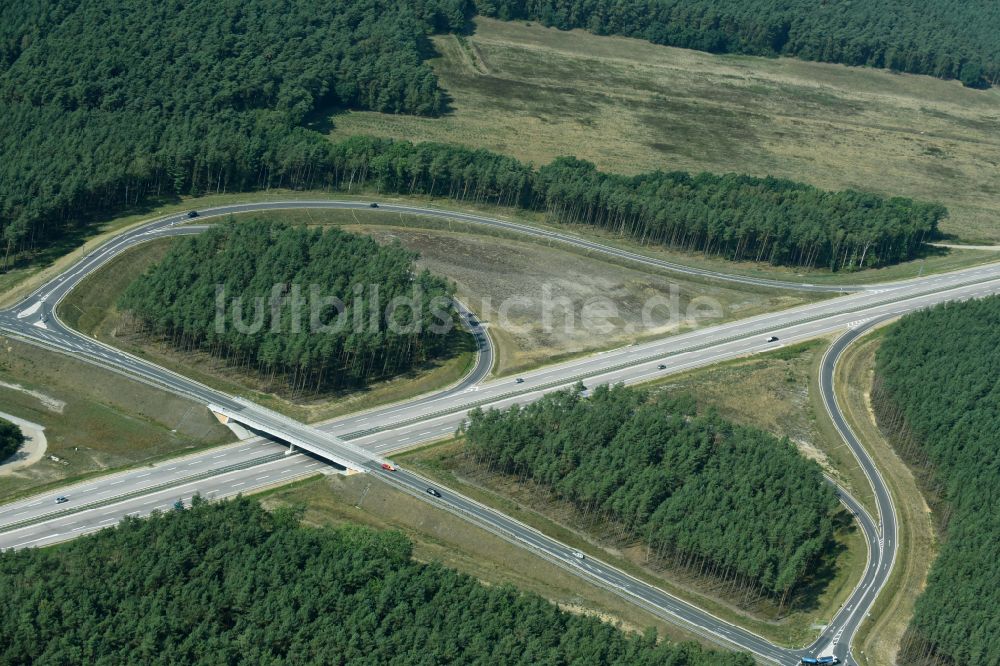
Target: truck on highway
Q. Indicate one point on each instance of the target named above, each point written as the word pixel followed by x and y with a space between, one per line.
pixel 823 661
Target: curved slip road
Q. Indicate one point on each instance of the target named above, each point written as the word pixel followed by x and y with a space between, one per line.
pixel 392 428
pixel 883 540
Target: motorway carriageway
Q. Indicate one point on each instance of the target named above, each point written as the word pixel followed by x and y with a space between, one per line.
pixel 401 426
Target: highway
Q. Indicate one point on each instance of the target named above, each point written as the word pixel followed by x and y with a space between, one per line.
pixel 359 441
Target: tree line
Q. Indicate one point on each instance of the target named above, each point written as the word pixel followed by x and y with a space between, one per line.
pixel 222 95
pixel 731 216
pixel 352 329
pixel 725 501
pixel 212 100
pixel 11 439
pixel 949 39
pixel 937 396
pixel 232 583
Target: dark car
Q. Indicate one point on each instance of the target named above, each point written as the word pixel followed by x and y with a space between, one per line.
pixel 518 381
pixel 773 338
pixel 62 499
pixel 662 367
pixel 373 205
pixel 192 213
pixel 434 492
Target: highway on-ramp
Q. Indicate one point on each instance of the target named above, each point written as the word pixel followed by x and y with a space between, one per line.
pixel 360 441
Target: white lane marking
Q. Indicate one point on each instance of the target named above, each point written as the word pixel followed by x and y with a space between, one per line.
pixel 32 309
pixel 25 543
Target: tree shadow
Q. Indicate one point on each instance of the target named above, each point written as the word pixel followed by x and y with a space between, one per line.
pixel 815 583
pixel 86 227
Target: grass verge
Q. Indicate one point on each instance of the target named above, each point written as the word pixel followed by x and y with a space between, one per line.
pixel 445 463
pixel 440 536
pixel 878 639
pixel 95 420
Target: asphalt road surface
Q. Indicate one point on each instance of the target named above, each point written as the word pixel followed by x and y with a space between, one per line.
pixel 360 441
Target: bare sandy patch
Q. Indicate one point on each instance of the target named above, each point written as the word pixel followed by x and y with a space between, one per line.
pixel 50 403
pixel 31 451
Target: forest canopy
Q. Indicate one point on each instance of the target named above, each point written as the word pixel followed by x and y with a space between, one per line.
pixel 105 103
pixel 937 394
pixel 312 306
pixel 231 583
pixel 719 499
pixel 949 39
pixel 221 96
pixel 11 439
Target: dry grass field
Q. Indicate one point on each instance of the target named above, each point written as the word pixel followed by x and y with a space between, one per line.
pixel 489 272
pixel 631 106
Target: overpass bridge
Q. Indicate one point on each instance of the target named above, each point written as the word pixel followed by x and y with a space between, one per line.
pixel 278 426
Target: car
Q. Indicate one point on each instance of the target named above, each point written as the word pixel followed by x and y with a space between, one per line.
pixel 373 205
pixel 388 467
pixel 192 213
pixel 434 492
pixel 661 367
pixel 518 381
pixel 773 338
pixel 62 499
pixel 578 555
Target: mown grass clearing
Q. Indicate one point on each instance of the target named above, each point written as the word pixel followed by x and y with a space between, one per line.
pixel 95 420
pixel 631 106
